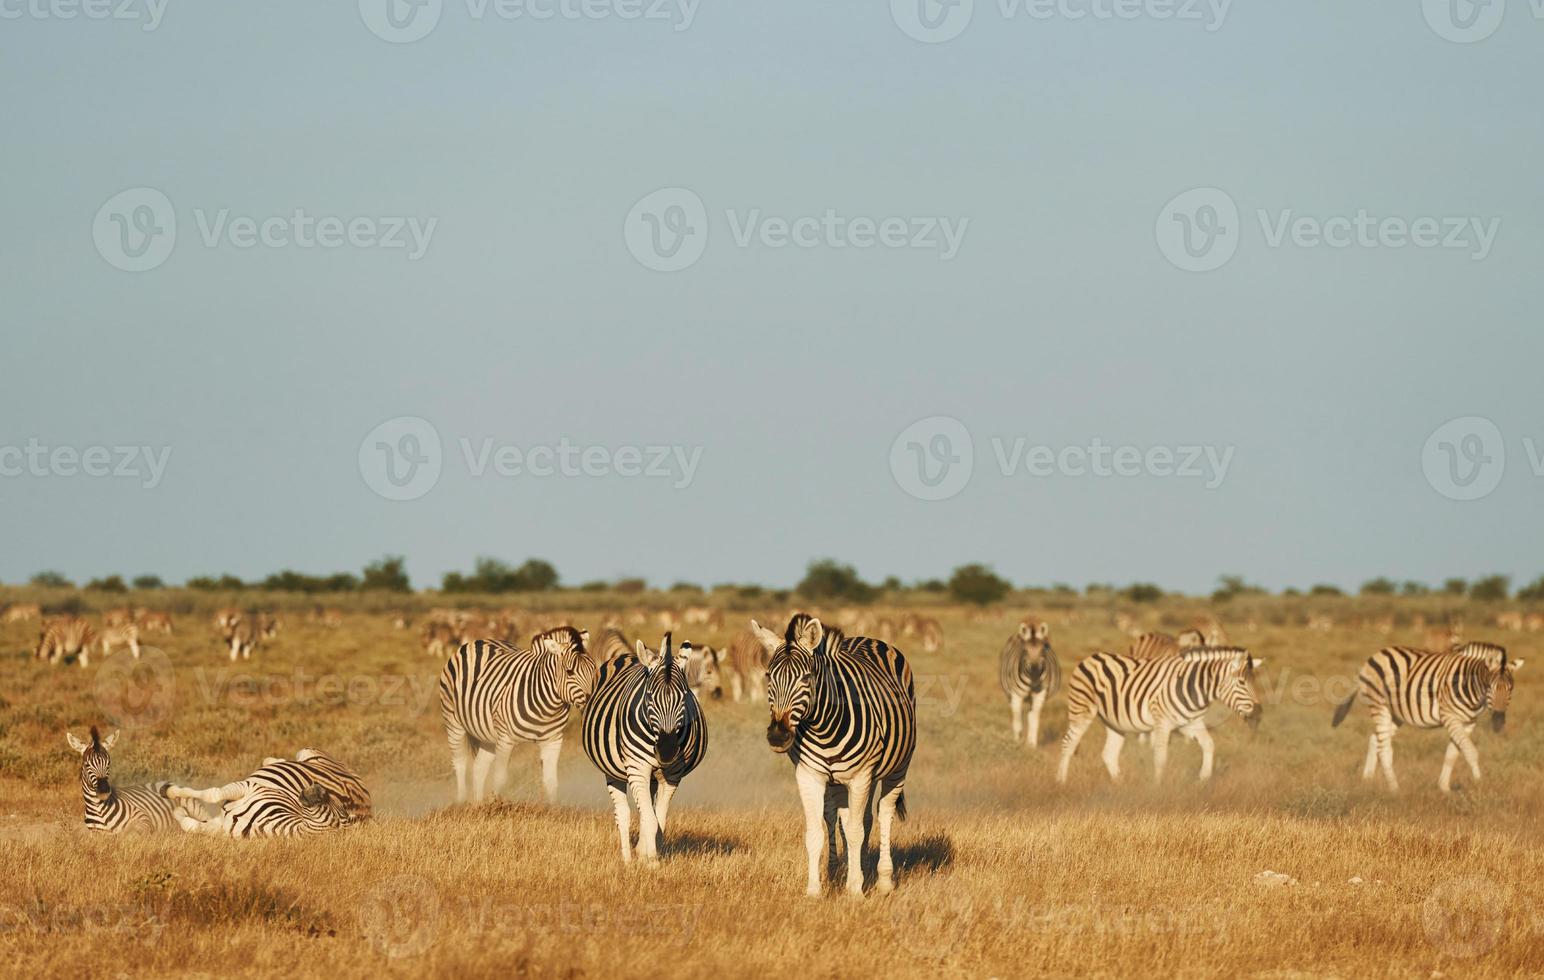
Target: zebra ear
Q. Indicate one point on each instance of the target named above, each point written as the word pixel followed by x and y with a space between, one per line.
pixel 1255 662
pixel 1516 665
pixel 811 633
pixel 767 638
pixel 1043 631
pixel 1026 632
pixel 76 743
pixel 110 741
pixel 584 637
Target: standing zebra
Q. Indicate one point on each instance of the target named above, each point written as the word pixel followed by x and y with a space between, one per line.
pixel 703 674
pixel 113 809
pixel 65 637
pixel 119 635
pixel 284 798
pixel 1449 690
pixel 1027 670
pixel 1159 696
pixel 644 730
pixel 844 711
pixel 493 695
pixel 747 663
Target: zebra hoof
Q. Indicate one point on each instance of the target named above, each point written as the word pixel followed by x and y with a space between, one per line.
pixel 884 886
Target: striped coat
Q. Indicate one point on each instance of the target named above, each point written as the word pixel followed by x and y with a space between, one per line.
pixel 309 794
pixel 747 667
pixel 645 731
pixel 65 637
pixel 493 696
pixel 1159 696
pixel 844 711
pixel 1425 689
pixel 1028 671
pixel 111 809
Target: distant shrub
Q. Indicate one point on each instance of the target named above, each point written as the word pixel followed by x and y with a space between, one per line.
pixel 1414 588
pixel 112 583
pixel 750 592
pixel 631 586
pixel 933 585
pixel 1455 586
pixel 52 580
pixel 892 584
pixel 977 583
pixel 1533 591
pixel 1324 589
pixel 1289 591
pixel 387 575
pixel 148 582
pixel 209 583
pixel 1234 585
pixel 493 576
pixel 598 585
pixel 292 581
pixel 1062 588
pixel 1142 592
pixel 829 579
pixel 1491 588
pixel 1379 586
pixel 686 587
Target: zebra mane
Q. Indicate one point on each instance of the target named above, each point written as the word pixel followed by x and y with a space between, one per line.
pixel 668 659
pixel 795 624
pixel 96 738
pixel 1479 648
pixel 563 634
pixel 1213 654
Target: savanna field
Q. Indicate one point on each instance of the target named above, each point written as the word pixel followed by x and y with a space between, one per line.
pixel 1000 872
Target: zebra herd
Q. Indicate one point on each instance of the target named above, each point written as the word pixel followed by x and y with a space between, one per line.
pixel 1165 684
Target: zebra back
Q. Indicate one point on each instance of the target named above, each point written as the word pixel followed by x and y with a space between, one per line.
pixel 1425 689
pixel 498 694
pixel 1132 696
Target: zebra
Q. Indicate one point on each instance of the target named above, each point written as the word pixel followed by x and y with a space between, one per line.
pixel 1028 670
pixel 1449 690
pixel 156 622
pixel 844 711
pixel 613 644
pixel 645 731
pixel 113 809
pixel 493 695
pixel 1149 646
pixel 703 673
pixel 243 637
pixel 747 662
pixel 21 612
pixel 119 635
pixel 439 639
pixel 296 797
pixel 1157 696
pixel 65 637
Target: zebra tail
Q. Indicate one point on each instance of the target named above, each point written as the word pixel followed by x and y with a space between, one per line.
pixel 1343 710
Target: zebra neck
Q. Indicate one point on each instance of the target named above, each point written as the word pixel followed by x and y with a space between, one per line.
pixel 102 808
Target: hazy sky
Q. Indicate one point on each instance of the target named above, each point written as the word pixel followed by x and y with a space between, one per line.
pixel 782 359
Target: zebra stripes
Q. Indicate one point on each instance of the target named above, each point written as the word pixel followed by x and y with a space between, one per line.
pixel 309 794
pixel 119 635
pixel 645 731
pixel 613 645
pixel 747 663
pixel 115 809
pixel 703 674
pixel 1028 671
pixel 493 695
pixel 1422 689
pixel 1149 646
pixel 844 711
pixel 65 637
pixel 1158 696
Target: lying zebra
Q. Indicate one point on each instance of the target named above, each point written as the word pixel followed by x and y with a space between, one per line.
pixel 112 809
pixel 285 798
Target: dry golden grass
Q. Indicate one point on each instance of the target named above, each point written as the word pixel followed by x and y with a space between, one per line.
pixel 1000 872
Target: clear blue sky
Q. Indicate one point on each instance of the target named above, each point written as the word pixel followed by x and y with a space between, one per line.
pixel 528 321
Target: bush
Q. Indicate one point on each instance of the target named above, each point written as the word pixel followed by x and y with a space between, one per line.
pixel 1323 589
pixel 1142 592
pixel 1234 585
pixel 291 581
pixel 52 580
pixel 1455 586
pixel 1414 588
pixel 1533 591
pixel 112 583
pixel 827 579
pixel 387 575
pixel 1491 588
pixel 978 584
pixel 148 582
pixel 1379 586
pixel 492 575
pixel 631 586
pixel 686 587
pixel 933 585
pixel 208 583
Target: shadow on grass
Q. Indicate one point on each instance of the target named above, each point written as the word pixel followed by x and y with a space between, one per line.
pixel 693 843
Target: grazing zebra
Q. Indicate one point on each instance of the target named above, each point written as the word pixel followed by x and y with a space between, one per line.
pixel 21 612
pixel 645 731
pixel 1448 690
pixel 1158 696
pixel 112 809
pixel 242 637
pixel 119 635
pixel 156 622
pixel 307 795
pixel 439 639
pixel 1028 671
pixel 64 637
pixel 703 673
pixel 844 711
pixel 747 663
pixel 1149 646
pixel 493 695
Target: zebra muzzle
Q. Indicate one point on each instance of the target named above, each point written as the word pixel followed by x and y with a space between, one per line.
pixel 779 736
pixel 1497 720
pixel 668 746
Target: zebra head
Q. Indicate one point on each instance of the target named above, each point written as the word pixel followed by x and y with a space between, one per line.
pixel 790 675
pixel 702 670
pixel 1238 688
pixel 575 669
pixel 664 702
pixel 1034 648
pixel 95 764
pixel 1499 697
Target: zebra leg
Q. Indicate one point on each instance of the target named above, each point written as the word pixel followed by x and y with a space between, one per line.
pixel 549 769
pixel 812 793
pixel 501 766
pixel 1160 750
pixel 1199 734
pixel 1384 726
pixel 662 805
pixel 618 793
pixel 218 794
pixel 193 825
pixel 1459 735
pixel 134 646
pixel 1371 765
pixel 1036 701
pixel 648 825
pixel 460 757
pixel 1016 710
pixel 481 763
pixel 736 686
pixel 1077 725
pixel 889 795
pixel 1445 781
pixel 852 825
pixel 835 820
pixel 235 649
pixel 1113 740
